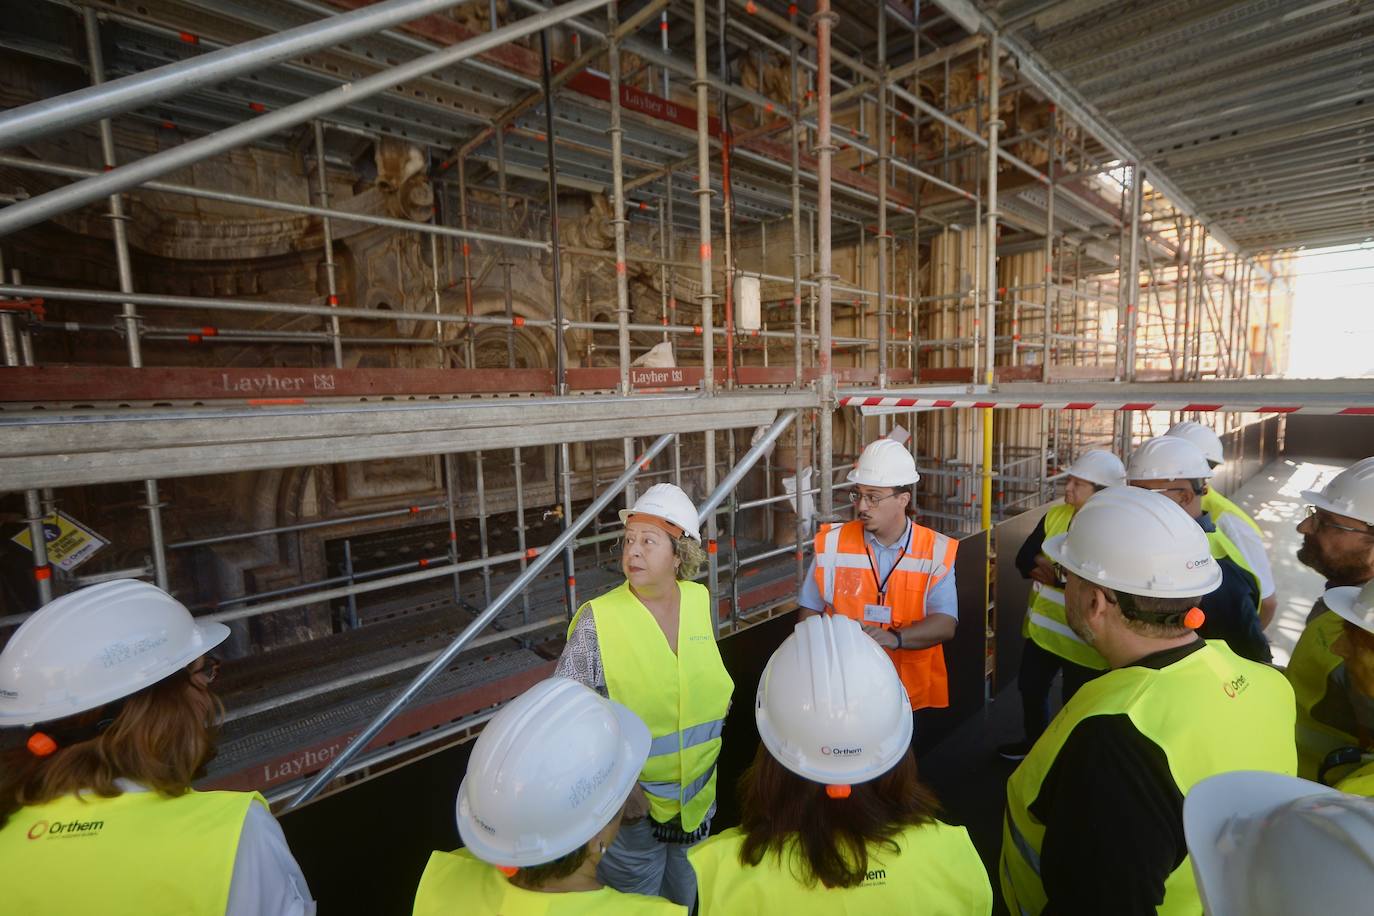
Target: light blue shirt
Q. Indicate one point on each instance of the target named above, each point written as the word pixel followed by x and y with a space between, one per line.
pixel 943 598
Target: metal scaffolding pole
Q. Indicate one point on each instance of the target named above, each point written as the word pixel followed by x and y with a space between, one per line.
pixel 884 240
pixel 798 441
pixel 40 119
pixel 994 125
pixel 326 227
pixel 824 21
pixel 124 266
pixel 701 85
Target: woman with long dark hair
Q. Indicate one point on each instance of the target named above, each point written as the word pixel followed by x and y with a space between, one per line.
pixel 834 817
pixel 97 813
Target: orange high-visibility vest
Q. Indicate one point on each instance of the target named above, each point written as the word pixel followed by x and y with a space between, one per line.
pixel 845 578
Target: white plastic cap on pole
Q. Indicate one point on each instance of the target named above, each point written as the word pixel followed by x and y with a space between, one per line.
pixel 885 463
pixel 1265 844
pixel 1099 467
pixel 830 705
pixel 1353 603
pixel 549 771
pixel 97 645
pixel 1167 458
pixel 1204 437
pixel 1349 493
pixel 1139 542
pixel 665 501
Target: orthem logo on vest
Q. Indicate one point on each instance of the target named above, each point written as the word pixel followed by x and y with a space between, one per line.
pixel 1236 687
pixel 831 751
pixel 64 829
pixel 879 875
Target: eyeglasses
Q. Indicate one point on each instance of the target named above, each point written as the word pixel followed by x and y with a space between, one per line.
pixel 1168 489
pixel 208 671
pixel 858 498
pixel 1322 519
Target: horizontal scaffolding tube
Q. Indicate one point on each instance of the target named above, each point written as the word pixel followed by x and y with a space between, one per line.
pixel 442 661
pixel 154 300
pixel 405 225
pixel 39 119
pixel 123 178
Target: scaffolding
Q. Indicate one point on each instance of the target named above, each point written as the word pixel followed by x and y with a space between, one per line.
pixel 424 257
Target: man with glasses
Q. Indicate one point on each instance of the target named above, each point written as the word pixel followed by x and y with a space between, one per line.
pixel 1338 542
pixel 1176 468
pixel 893 576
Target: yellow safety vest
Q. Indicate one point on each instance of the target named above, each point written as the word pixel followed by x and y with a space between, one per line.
pixel 1310 672
pixel 1046 623
pixel 1216 505
pixel 459 884
pixel 1360 782
pixel 137 853
pixel 937 873
pixel 682 698
pixel 1210 712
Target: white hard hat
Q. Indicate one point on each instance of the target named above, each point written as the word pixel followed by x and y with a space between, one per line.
pixel 1264 844
pixel 1099 467
pixel 665 501
pixel 885 463
pixel 97 645
pixel 830 705
pixel 1349 493
pixel 549 771
pixel 1167 458
pixel 1354 603
pixel 1204 437
pixel 1139 542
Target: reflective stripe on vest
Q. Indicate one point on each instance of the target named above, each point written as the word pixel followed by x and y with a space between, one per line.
pixel 846 581
pixel 1316 674
pixel 682 697
pixel 936 871
pixel 1216 505
pixel 1210 712
pixel 139 852
pixel 688 737
pixel 458 882
pixel 1046 620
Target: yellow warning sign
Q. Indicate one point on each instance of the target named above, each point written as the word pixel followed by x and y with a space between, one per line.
pixel 69 542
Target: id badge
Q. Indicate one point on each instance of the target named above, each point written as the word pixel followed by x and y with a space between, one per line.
pixel 877 613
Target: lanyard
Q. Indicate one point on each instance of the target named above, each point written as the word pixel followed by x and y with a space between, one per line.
pixel 873 565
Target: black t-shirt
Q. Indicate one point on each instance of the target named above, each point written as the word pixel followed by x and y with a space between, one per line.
pixel 1113 816
pixel 1233 609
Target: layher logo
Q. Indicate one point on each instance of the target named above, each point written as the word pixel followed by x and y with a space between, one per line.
pixel 64 829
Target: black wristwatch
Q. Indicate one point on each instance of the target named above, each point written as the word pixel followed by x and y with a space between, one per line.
pixel 896 631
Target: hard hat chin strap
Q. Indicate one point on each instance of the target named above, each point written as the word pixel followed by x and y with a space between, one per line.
pixel 44 743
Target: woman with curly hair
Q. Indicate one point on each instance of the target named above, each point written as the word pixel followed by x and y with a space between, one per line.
pixel 650 644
